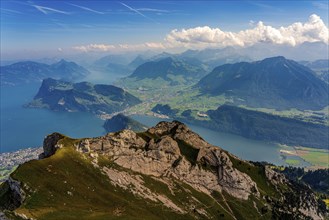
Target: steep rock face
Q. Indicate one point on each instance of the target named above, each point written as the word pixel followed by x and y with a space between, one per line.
pixel 50 145
pixel 167 154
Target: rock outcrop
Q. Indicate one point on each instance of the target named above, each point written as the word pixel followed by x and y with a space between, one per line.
pixel 172 150
pixel 50 145
pixel 168 166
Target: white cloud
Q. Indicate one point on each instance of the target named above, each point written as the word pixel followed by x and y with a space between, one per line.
pixel 119 47
pixel 94 47
pixel 314 30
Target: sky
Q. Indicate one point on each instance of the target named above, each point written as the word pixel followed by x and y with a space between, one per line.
pixel 45 28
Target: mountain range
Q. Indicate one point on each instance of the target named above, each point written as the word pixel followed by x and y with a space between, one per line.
pixel 60 95
pixel 166 172
pixel 276 83
pixel 321 67
pixel 28 71
pixel 259 51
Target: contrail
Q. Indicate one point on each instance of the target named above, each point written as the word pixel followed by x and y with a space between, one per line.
pixel 134 10
pixel 87 9
pixel 46 10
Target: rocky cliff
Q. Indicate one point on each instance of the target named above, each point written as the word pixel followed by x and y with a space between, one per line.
pixel 167 172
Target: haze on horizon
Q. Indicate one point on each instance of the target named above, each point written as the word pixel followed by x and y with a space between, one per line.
pixel 38 29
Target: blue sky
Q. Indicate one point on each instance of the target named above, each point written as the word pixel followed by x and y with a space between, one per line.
pixel 46 26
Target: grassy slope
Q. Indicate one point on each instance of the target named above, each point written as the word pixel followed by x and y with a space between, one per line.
pixel 57 190
pixel 51 182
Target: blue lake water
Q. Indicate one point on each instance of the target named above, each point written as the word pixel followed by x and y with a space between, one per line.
pixel 25 127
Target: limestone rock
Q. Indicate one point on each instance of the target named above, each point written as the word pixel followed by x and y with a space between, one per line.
pixel 50 145
pixel 84 146
pixel 171 152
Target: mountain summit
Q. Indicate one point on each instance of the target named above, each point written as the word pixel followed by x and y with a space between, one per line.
pixel 167 172
pixel 271 83
pixel 170 69
pixel 28 71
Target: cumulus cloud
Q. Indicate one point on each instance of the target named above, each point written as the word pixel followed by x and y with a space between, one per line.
pixel 314 30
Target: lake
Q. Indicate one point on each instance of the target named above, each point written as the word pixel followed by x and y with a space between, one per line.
pixel 25 127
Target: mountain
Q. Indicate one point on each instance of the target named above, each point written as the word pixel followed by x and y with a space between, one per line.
pixel 114 64
pixel 164 110
pixel 320 67
pixel 258 51
pixel 216 57
pixel 170 69
pixel 60 95
pixel 122 59
pixel 264 126
pixel 139 60
pixel 69 70
pixel 166 172
pixel 121 122
pixel 317 64
pixel 271 83
pixel 28 71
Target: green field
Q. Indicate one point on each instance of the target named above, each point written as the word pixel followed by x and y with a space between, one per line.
pixel 293 162
pixel 185 97
pixel 319 158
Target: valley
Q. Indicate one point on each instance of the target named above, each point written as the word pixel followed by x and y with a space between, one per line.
pixel 191 105
pixel 164 110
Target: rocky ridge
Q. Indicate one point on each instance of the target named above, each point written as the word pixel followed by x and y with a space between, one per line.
pixel 170 153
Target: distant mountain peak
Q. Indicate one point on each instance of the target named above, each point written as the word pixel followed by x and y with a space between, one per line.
pixel 274 82
pixel 30 71
pixel 277 58
pixel 169 67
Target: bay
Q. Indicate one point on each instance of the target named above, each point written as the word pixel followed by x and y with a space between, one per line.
pixel 26 127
